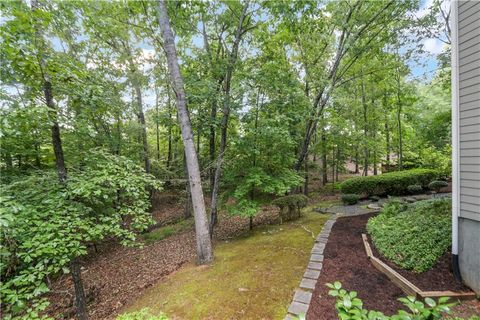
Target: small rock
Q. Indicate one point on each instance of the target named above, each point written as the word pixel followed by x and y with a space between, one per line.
pixel 242 289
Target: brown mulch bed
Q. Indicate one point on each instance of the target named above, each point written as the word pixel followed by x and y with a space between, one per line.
pixel 116 275
pixel 346 261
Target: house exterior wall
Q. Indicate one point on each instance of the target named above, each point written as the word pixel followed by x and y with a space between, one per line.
pixel 466 104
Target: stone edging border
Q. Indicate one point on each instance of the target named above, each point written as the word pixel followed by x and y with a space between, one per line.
pixel 303 295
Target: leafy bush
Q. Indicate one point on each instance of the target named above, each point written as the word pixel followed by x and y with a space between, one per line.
pixel 143 314
pixel 45 225
pixel 412 236
pixel 290 206
pixel 259 163
pixel 350 198
pixel 392 183
pixel 437 185
pixel 415 189
pixel 349 306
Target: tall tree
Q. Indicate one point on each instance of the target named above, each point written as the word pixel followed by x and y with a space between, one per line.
pixel 232 59
pixel 204 244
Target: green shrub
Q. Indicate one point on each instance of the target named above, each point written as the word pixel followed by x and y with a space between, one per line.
pixel 413 236
pixel 392 183
pixel 415 189
pixel 46 225
pixel 349 306
pixel 143 314
pixel 437 185
pixel 290 206
pixel 350 198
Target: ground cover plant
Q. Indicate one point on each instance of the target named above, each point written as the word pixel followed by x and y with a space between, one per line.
pixel 392 183
pixel 412 235
pixel 166 231
pixel 349 306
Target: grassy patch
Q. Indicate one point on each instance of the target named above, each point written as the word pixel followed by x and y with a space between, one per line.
pixel 413 236
pixel 251 278
pixel 167 231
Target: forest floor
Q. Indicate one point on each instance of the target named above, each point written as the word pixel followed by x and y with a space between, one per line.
pixel 114 276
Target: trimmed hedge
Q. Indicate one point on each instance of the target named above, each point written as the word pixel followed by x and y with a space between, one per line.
pixel 350 198
pixel 437 185
pixel 415 189
pixel 392 183
pixel 290 206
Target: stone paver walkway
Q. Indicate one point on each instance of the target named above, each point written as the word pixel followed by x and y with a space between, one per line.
pixel 303 295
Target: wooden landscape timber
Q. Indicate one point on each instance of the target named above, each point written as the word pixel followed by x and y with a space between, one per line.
pixel 403 283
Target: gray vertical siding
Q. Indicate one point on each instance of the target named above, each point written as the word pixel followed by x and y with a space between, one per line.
pixel 469 98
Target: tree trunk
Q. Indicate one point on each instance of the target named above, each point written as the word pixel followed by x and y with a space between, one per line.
pixel 334 160
pixel 199 133
pixel 169 151
pixel 80 300
pixel 141 120
pixel 324 157
pixel 38 163
pixel 188 198
pixel 387 138
pixel 305 188
pixel 80 303
pixel 224 123
pixel 119 134
pixel 56 139
pixel 8 160
pixel 213 119
pixel 356 160
pixel 337 162
pixel 157 118
pixel 204 244
pixel 365 130
pixel 399 123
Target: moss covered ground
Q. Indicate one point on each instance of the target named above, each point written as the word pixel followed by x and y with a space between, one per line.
pixel 252 277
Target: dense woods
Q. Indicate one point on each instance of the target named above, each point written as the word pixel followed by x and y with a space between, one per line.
pixel 105 103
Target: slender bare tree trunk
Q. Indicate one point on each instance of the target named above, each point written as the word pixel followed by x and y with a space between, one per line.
pixel 80 303
pixel 305 186
pixel 157 130
pixel 169 151
pixel 141 120
pixel 365 129
pixel 224 123
pixel 204 244
pixel 399 123
pixel 80 300
pixel 356 160
pixel 337 162
pixel 324 157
